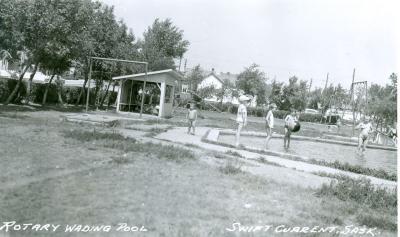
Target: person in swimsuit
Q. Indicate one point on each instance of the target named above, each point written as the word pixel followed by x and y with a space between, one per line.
pixel 366 129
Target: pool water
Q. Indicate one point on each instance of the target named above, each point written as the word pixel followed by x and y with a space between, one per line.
pixel 373 158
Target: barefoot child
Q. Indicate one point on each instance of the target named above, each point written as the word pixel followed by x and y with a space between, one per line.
pixel 269 119
pixel 366 129
pixel 241 118
pixel 290 121
pixel 192 117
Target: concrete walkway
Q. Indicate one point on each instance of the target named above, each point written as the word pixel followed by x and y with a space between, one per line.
pixel 179 135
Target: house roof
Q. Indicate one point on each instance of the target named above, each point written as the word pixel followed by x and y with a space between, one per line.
pixel 223 76
pixel 171 72
pixel 213 74
pixel 228 76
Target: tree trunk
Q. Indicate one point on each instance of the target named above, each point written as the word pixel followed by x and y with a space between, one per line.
pixel 105 95
pixel 82 92
pixel 96 92
pixel 59 92
pixel 16 88
pixel 108 103
pixel 47 90
pixel 29 91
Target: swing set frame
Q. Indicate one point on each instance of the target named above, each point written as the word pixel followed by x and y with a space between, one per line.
pixel 91 59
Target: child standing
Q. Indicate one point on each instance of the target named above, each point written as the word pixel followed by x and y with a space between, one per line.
pixel 192 117
pixel 241 118
pixel 290 121
pixel 366 129
pixel 269 123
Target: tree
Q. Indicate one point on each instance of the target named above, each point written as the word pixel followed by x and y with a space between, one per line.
pixel 227 90
pixel 382 102
pixel 163 42
pixel 13 20
pixel 194 77
pixel 294 95
pixel 253 82
pixel 315 98
pixel 108 38
pixel 276 94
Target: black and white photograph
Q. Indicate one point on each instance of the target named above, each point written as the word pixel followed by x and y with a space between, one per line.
pixel 212 118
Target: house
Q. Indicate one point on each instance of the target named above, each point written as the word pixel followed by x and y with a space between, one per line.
pixel 211 80
pixel 159 92
pixel 217 80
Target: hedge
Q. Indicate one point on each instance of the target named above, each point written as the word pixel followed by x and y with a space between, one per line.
pixel 261 112
pixel 69 94
pixel 7 86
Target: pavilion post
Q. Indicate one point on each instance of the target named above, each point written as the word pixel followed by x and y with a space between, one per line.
pixel 90 78
pixel 143 90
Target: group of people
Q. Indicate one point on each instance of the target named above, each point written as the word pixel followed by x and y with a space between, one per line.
pixel 291 122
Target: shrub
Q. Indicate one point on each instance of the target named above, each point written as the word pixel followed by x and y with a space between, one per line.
pixel 38 93
pixel 231 167
pixel 256 111
pixel 7 86
pixel 281 114
pixel 361 191
pixel 4 90
pixel 86 136
pixel 380 221
pixel 313 118
pixel 233 153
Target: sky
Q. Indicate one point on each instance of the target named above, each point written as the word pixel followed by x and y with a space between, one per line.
pixel 308 38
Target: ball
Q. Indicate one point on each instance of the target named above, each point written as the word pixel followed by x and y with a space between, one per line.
pixel 296 127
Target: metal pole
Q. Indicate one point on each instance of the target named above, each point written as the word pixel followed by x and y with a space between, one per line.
pixel 352 101
pixel 118 60
pixel 366 99
pixel 90 78
pixel 144 87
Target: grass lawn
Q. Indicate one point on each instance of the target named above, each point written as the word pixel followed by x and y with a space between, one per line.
pixel 64 173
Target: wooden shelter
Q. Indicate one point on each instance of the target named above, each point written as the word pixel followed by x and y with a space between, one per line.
pixel 159 92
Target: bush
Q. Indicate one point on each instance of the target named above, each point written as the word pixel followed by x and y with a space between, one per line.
pixel 256 111
pixel 231 167
pixel 381 221
pixel 361 191
pixel 313 118
pixel 7 86
pixel 281 114
pixel 38 93
pixel 4 90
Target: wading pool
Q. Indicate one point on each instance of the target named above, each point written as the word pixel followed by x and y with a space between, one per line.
pixel 373 158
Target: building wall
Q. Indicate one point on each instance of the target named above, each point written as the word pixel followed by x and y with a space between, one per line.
pixel 209 81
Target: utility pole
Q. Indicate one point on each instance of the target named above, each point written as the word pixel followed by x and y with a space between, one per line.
pixel 366 99
pixel 352 101
pixel 309 89
pixel 322 94
pixel 326 82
